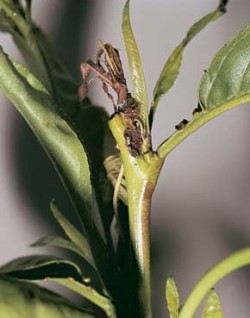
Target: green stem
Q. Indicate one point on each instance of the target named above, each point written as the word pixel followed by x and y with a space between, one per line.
pixel 198 121
pixel 212 277
pixel 139 203
pixel 141 174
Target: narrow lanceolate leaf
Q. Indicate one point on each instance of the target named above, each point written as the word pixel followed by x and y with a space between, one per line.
pixel 56 136
pixel 56 241
pixel 135 66
pixel 171 68
pixel 26 300
pixel 58 139
pixel 62 272
pixel 88 293
pixel 227 80
pixel 73 234
pixel 172 297
pixel 212 307
pixel 39 267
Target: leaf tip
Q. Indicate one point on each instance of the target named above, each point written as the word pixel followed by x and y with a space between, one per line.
pixel 172 297
pixel 212 307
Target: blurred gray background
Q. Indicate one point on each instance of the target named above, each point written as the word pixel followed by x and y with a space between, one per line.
pixel 201 208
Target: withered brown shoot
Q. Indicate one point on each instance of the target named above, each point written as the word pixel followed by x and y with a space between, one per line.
pixel 108 68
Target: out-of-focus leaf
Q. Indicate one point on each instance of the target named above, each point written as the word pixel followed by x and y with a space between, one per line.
pixel 213 307
pixel 56 136
pixel 28 3
pixel 26 300
pixel 172 297
pixel 92 122
pixel 56 241
pixel 65 273
pixel 88 293
pixel 99 142
pixel 73 234
pixel 113 167
pixel 51 72
pixel 38 267
pixel 135 66
pixel 37 52
pixel 227 80
pixel 171 68
pixel 59 140
pixel 40 57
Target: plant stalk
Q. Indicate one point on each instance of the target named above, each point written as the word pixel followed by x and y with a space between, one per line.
pixel 139 203
pixel 141 174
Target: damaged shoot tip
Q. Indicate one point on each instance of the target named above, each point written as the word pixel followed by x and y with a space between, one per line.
pixel 108 68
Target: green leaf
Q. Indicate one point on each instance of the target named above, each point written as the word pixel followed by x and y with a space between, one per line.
pixel 113 166
pixel 49 70
pixel 172 297
pixel 212 307
pixel 41 59
pixel 171 68
pixel 88 293
pixel 227 80
pixel 62 272
pixel 60 142
pixel 58 139
pixel 135 66
pixel 26 300
pixel 226 84
pixel 56 241
pixel 73 234
pixel 38 267
pixel 99 144
pixel 38 54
